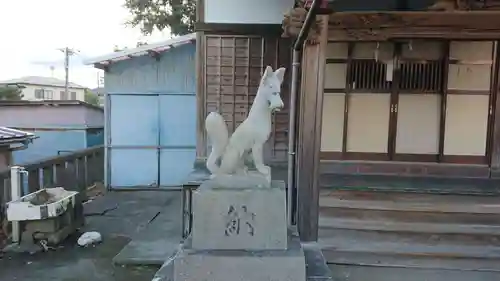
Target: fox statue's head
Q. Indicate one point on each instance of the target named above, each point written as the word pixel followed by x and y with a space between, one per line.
pixel 270 87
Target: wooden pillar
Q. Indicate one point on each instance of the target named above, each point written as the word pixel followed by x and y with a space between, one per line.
pixel 201 138
pixel 495 103
pixel 309 138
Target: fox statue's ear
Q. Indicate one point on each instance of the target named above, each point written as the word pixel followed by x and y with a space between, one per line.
pixel 267 73
pixel 280 73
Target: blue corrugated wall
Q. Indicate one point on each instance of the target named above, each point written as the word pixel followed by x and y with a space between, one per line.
pixel 151 119
pixel 51 143
pixel 95 137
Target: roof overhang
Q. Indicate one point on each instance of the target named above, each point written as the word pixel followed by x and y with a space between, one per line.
pixel 154 50
pixel 13 136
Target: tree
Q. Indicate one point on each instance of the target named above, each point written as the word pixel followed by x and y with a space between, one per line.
pixel 178 15
pixel 91 98
pixel 10 93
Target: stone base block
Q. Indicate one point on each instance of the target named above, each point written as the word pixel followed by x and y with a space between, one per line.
pixel 241 265
pixel 238 215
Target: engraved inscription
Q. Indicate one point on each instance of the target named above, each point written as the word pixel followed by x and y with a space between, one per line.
pixel 238 219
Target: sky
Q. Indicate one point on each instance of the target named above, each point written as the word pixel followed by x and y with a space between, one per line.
pixel 32 31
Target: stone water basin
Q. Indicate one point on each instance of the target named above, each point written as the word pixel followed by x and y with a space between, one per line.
pixel 40 205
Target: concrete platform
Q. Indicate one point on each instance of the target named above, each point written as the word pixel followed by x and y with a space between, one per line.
pixel 153 245
pixel 156 242
pixel 244 265
pixel 316 268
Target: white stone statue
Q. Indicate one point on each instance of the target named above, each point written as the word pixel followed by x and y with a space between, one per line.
pixel 250 135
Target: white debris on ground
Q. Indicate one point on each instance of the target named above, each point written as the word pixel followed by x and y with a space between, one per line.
pixel 89 238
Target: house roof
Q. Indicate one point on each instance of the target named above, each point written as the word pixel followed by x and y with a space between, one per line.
pixel 42 81
pixel 9 135
pixel 48 103
pixel 159 47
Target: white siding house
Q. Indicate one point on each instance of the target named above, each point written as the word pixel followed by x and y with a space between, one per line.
pixel 46 88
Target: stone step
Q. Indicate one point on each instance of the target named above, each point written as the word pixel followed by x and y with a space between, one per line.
pixel 378 244
pixel 381 273
pixel 355 247
pixel 405 202
pixel 435 235
pixel 410 261
pixel 410 237
pixel 409 216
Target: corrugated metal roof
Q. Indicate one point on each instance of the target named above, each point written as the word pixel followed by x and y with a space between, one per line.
pixel 142 50
pixel 40 80
pixel 12 135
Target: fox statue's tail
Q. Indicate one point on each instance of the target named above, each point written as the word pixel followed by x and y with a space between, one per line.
pixel 219 137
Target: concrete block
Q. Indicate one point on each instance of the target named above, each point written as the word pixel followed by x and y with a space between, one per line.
pixel 166 271
pixel 241 265
pixel 316 267
pixel 238 215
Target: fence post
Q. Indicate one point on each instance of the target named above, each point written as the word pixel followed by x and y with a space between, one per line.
pixel 15 185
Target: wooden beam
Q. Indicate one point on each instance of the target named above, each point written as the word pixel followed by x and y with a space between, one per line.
pixel 239 28
pixel 380 26
pixel 308 152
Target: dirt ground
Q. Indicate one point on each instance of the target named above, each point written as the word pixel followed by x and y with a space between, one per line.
pixel 118 216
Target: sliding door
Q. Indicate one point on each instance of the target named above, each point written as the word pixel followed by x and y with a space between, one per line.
pixel 357 101
pixel 468 102
pixel 416 114
pixel 418 101
pixel 369 101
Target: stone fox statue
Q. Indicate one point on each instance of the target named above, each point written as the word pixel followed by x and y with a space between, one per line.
pixel 250 135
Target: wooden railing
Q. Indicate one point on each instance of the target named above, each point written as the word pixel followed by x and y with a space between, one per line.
pixel 75 171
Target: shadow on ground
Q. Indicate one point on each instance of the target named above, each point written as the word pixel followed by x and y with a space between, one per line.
pixel 118 216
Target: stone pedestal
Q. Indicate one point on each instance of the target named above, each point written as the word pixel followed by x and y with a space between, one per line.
pixel 239 234
pixel 240 218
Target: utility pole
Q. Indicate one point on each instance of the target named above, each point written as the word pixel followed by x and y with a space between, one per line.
pixel 67 53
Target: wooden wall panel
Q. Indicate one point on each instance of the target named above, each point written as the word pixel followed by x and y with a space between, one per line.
pixel 233 67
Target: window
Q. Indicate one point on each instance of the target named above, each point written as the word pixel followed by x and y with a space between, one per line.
pixel 424 77
pixel 48 94
pixel 39 94
pixel 64 96
pixel 73 95
pixel 369 75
